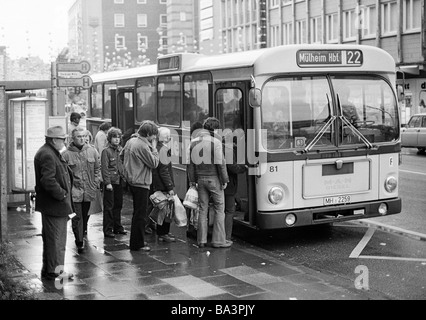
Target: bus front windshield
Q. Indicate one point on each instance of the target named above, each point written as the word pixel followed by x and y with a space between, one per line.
pixel 311 113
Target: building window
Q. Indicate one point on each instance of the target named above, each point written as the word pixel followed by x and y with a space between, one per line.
pixel 301 37
pixel 275 36
pixel 288 33
pixel 163 1
pixel 274 4
pixel 119 20
pixel 141 2
pixel 163 20
pixel 142 20
pixel 332 28
pixel 118 1
pixel 412 15
pixel 316 30
pixel 368 21
pixel 120 42
pixel 142 42
pixel 389 18
pixel 349 25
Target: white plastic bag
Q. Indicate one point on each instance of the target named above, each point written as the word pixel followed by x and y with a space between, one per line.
pixel 191 199
pixel 181 220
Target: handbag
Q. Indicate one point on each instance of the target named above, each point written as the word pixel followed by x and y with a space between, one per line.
pixel 191 199
pixel 180 218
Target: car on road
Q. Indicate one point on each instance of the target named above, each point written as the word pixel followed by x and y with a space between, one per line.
pixel 414 134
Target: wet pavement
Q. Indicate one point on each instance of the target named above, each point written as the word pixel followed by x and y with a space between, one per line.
pixel 108 270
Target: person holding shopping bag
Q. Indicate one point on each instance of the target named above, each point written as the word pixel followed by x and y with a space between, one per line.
pixel 140 157
pixel 207 171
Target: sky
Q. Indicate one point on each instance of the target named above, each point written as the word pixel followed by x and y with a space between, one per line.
pixel 34 27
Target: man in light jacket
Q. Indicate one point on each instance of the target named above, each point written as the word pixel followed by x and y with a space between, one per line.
pixel 207 170
pixel 85 163
pixel 140 157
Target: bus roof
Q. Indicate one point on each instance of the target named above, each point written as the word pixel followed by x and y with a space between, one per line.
pixel 282 59
pixel 149 70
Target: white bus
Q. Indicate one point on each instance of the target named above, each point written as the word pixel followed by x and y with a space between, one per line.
pixel 321 124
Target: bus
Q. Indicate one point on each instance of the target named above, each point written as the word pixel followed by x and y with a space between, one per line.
pixel 321 125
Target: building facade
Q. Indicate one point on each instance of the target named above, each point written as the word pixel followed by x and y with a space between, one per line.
pixel 115 34
pixel 397 26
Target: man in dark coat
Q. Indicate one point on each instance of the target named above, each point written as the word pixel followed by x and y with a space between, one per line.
pixel 54 201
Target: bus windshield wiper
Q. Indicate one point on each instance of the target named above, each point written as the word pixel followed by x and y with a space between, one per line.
pixel 356 132
pixel 320 134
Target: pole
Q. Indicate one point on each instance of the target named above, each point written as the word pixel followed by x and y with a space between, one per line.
pixel 54 90
pixel 3 166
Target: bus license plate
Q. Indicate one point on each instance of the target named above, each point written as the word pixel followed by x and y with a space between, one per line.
pixel 337 200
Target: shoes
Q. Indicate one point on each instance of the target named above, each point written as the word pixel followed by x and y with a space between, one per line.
pixel 201 245
pixel 109 235
pixel 166 238
pixel 54 276
pixel 80 246
pixel 144 249
pixel 122 232
pixel 227 244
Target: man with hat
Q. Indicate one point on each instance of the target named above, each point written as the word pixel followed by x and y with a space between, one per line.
pixel 54 201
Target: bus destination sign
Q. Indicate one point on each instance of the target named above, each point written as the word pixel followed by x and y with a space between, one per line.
pixel 330 58
pixel 172 63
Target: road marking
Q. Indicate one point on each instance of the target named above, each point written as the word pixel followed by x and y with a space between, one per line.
pixel 363 243
pixel 392 258
pixel 413 172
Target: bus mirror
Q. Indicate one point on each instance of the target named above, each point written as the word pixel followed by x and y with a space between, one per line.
pixel 400 93
pixel 255 98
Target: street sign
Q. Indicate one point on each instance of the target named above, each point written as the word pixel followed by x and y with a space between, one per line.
pixel 82 67
pixel 85 82
pixel 69 74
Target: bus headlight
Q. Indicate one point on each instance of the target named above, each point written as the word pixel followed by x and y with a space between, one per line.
pixel 391 184
pixel 276 195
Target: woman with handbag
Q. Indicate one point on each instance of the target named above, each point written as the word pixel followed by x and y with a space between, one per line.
pixel 162 180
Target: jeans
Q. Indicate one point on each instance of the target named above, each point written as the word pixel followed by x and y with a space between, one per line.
pixel 210 186
pixel 113 203
pixel 140 205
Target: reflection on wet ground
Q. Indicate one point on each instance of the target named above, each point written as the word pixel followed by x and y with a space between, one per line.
pixel 108 270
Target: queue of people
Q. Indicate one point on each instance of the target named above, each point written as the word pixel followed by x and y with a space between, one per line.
pixel 67 179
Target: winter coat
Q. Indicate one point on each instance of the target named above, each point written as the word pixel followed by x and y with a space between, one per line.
pixel 162 176
pixel 53 183
pixel 86 167
pixel 111 165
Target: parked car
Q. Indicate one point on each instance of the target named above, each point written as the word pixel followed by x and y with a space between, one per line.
pixel 414 134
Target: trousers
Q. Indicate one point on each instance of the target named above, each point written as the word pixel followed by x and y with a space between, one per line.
pixel 54 235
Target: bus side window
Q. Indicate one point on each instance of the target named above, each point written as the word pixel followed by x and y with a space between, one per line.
pixel 169 100
pixel 230 101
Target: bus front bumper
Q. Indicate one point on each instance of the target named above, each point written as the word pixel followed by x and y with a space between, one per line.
pixel 322 215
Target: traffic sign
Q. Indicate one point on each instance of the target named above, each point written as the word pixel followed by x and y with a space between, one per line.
pixel 85 82
pixel 82 67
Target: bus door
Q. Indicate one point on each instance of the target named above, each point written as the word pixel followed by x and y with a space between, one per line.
pixel 125 113
pixel 233 112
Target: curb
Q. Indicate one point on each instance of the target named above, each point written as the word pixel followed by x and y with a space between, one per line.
pixel 392 229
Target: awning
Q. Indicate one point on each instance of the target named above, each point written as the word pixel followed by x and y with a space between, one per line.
pixel 410 69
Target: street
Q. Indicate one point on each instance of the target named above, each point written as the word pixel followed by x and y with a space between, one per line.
pixel 386 262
